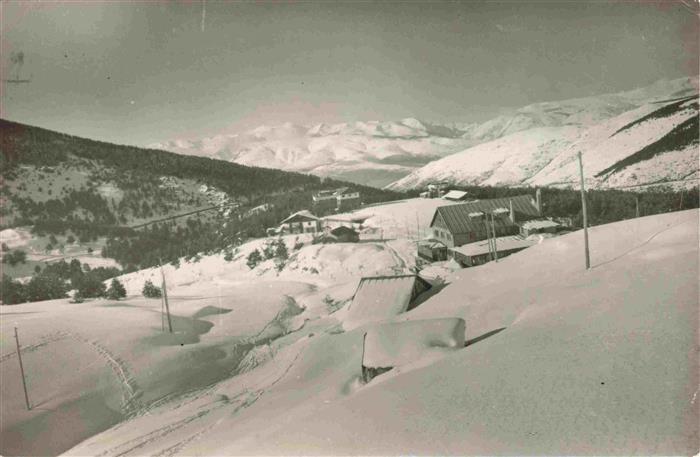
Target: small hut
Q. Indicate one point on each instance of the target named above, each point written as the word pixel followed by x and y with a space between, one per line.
pixel 432 250
pixel 345 234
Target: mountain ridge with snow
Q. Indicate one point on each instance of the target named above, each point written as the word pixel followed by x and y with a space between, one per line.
pixel 408 153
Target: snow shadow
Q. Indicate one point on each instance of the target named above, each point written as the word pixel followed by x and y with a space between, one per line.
pixel 483 337
pixel 186 330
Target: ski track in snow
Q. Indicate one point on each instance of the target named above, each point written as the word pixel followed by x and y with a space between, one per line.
pixel 643 243
pixel 126 380
pixel 43 341
pixel 400 266
pixel 242 401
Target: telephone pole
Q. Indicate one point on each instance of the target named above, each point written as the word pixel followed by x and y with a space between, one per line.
pixel 21 370
pixel 488 235
pixel 585 213
pixel 495 246
pixel 165 299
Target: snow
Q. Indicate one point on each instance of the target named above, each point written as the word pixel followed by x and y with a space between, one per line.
pixel 546 156
pixel 589 362
pixel 405 219
pixel 381 297
pixel 386 148
pixel 380 153
pixel 503 243
pixel 15 238
pixel 558 360
pixel 402 343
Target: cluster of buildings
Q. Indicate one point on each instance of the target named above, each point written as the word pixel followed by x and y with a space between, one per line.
pixel 335 201
pixel 438 191
pixel 478 231
pixel 472 232
pixel 326 229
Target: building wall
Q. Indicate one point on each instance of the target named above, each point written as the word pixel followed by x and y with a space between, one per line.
pixel 302 227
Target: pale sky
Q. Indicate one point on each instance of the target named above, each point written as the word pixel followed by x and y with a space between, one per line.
pixel 140 72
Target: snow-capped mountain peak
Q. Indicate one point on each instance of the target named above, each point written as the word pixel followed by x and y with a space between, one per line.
pixel 524 146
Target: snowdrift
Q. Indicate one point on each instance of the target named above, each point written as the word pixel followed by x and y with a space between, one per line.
pixel 400 343
pixel 559 360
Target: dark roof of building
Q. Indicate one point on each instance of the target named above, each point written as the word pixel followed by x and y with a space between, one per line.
pixel 457 218
pixel 342 230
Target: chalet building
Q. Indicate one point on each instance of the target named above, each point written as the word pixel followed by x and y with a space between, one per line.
pixel 301 222
pixel 433 191
pixel 379 298
pixel 337 200
pixel 355 223
pixel 345 234
pixel 456 196
pixel 478 253
pixel 539 226
pixel 432 250
pixel 456 225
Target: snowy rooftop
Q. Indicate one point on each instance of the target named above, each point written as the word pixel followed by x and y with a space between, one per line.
pixel 540 224
pixel 401 343
pixel 455 195
pixel 300 215
pixel 504 243
pixel 381 297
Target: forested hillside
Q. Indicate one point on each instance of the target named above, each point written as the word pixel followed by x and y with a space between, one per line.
pixel 61 184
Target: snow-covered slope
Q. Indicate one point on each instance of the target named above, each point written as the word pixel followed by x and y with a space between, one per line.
pixel 558 360
pixel 633 147
pixel 379 153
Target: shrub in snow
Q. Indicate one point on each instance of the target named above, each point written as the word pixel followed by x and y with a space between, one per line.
pixel 281 251
pixel 332 305
pixel 298 244
pixel 151 291
pixel 77 297
pixel 253 259
pixel 116 290
pixel 269 250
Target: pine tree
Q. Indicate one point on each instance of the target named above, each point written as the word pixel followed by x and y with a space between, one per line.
pixel 254 258
pixel 116 290
pixel 151 291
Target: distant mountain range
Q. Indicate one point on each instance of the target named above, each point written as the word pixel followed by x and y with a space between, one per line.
pixel 634 138
pixel 373 153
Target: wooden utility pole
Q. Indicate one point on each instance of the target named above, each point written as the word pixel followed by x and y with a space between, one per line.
pixel 162 312
pixel 488 235
pixel 495 246
pixel 165 299
pixel 21 370
pixel 636 202
pixel 585 213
